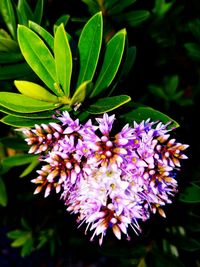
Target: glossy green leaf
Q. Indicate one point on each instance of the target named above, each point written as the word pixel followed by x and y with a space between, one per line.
pixel 8 14
pixel 81 92
pixel 134 18
pixel 35 91
pixel 24 122
pixel 3 193
pixel 14 71
pixel 112 59
pixel 30 168
pixel 11 57
pixel 45 35
pixel 63 59
pixel 89 46
pixel 38 57
pixel 191 194
pixel 143 113
pixel 24 104
pixel 108 103
pixel 18 160
pixel 38 12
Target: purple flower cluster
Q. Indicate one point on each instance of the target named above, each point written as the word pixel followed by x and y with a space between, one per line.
pixel 107 180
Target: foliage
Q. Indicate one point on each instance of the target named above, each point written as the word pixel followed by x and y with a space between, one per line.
pixel 134 58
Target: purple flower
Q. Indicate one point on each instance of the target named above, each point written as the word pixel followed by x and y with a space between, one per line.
pixel 109 180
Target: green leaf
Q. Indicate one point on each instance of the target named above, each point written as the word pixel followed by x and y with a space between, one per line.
pixel 129 61
pixel 191 194
pixel 24 12
pixel 63 59
pixel 35 91
pixel 15 143
pixel 89 46
pixel 143 113
pixel 14 71
pixel 18 160
pixel 193 50
pixel 172 84
pixel 134 18
pixel 38 57
pixel 21 240
pixel 27 247
pixel 11 57
pixel 38 12
pixel 46 36
pixel 158 91
pixel 15 234
pixel 3 193
pixel 119 7
pixel 24 104
pixel 61 20
pixel 8 14
pixel 81 92
pixel 112 59
pixel 107 104
pixel 24 122
pixel 8 45
pixel 30 168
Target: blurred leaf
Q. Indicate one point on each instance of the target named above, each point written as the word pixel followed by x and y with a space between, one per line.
pixel 18 160
pixel 38 57
pixel 61 20
pixel 24 104
pixel 172 83
pixel 11 57
pixel 81 92
pixel 107 104
pixel 25 235
pixel 27 247
pixel 30 168
pixel 24 12
pixel 24 122
pixel 129 61
pixel 89 46
pixel 15 234
pixel 158 91
pixel 8 45
pixel 46 36
pixel 118 7
pixel 191 194
pixel 63 59
pixel 193 50
pixel 158 259
pixel 14 143
pixel 161 7
pixel 93 6
pixel 38 12
pixel 14 71
pixel 111 62
pixel 35 91
pixel 8 14
pixel 143 113
pixel 3 193
pixel 134 18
